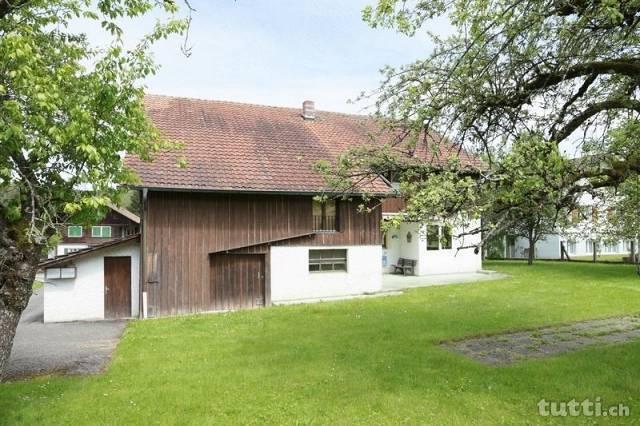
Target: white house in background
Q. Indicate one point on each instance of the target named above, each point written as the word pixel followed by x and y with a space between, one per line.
pixel 578 239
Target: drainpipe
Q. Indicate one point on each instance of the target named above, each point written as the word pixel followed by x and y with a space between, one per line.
pixel 141 253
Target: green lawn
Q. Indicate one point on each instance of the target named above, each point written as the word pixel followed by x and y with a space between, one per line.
pixel 603 257
pixel 367 361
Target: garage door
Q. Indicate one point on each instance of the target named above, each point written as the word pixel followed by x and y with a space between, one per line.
pixel 237 281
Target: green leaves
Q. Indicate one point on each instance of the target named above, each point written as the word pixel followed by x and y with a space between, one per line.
pixel 69 110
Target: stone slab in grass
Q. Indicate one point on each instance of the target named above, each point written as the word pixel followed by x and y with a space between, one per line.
pixel 548 341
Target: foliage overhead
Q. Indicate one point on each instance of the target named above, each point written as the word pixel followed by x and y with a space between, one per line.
pixel 69 110
pixel 562 70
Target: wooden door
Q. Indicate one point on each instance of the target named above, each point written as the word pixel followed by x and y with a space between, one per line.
pixel 117 287
pixel 237 281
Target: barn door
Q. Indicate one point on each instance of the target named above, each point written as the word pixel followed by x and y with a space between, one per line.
pixel 117 287
pixel 237 281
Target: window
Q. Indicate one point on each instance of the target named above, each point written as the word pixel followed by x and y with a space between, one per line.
pixel 433 237
pixel 71 250
pixel 101 231
pixel 74 231
pixel 59 273
pixel 571 247
pixel 325 216
pixel 328 260
pixel 445 237
pixel 439 237
pixel 588 246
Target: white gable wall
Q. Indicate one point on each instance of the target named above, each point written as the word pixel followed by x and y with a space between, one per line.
pixel 82 298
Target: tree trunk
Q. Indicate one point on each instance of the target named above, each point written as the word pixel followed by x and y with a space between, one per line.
pixel 595 255
pixel 8 325
pixel 18 266
pixel 532 251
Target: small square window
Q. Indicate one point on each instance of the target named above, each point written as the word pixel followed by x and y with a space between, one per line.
pixel 74 231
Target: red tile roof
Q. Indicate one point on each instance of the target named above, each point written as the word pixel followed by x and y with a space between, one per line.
pixel 232 146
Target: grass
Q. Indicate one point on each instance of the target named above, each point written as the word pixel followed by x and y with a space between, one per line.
pixel 602 257
pixel 368 361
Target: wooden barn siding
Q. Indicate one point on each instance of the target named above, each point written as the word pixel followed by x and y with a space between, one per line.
pixel 181 229
pixel 393 205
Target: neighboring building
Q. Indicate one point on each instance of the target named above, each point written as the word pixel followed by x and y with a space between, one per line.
pixel 100 282
pixel 549 247
pixel 117 223
pixel 586 224
pixel 239 227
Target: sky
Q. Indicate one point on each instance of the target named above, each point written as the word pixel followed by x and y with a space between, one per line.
pixel 280 52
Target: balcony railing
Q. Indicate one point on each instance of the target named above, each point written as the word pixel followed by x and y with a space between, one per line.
pixel 324 223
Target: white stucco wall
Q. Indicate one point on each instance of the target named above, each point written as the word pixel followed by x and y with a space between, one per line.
pixel 291 280
pixel 432 262
pixel 82 298
pixel 547 248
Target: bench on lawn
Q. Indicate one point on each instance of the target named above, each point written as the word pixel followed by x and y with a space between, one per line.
pixel 405 266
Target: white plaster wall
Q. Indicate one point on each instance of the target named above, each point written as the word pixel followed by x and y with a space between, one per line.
pixel 547 248
pixel 391 254
pixel 433 262
pixel 82 298
pixel 292 281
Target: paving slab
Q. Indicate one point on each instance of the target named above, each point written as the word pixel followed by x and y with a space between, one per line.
pixel 547 341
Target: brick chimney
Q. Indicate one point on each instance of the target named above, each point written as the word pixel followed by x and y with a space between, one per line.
pixel 308 110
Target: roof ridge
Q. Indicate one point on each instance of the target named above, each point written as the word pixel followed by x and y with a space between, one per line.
pixel 253 104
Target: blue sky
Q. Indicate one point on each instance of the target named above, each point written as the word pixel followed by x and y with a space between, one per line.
pixel 281 52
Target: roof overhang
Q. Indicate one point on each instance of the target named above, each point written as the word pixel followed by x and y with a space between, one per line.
pixel 390 193
pixel 61 260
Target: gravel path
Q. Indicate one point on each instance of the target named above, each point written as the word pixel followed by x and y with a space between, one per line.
pixel 65 348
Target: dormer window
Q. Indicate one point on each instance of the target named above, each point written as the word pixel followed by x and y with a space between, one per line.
pixel 325 216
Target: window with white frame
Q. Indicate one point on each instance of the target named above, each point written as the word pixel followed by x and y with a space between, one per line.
pixel 572 247
pixel 588 246
pixel 101 231
pixel 439 237
pixel 328 260
pixel 74 231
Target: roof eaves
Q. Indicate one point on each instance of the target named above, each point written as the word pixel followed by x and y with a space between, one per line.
pixel 63 259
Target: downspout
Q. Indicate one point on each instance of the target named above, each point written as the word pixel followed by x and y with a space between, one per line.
pixel 142 254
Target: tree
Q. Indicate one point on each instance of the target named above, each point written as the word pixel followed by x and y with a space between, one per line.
pixel 535 203
pixel 67 112
pixel 564 70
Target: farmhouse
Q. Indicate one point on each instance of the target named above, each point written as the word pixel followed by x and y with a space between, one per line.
pixel 117 223
pixel 241 226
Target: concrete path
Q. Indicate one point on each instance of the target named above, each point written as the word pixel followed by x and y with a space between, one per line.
pixel 68 348
pixel 392 282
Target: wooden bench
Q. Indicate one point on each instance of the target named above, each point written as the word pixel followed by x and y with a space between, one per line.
pixel 405 266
